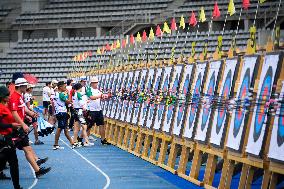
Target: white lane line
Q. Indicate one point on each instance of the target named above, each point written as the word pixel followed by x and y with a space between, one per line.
pixel 93 165
pixel 35 180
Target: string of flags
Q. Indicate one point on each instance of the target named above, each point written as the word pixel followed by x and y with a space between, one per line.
pixel 158 32
pixel 82 56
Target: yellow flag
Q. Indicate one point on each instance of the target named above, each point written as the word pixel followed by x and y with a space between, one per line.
pixel 231 8
pixel 166 28
pixel 262 1
pixel 151 35
pixel 99 51
pixel 202 17
pixel 117 44
pixel 181 22
pixel 138 38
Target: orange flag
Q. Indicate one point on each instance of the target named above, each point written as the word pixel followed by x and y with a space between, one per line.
pixel 123 43
pixel 132 40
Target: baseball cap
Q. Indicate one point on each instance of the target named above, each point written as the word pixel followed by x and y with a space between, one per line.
pixel 54 81
pixel 21 82
pixel 94 80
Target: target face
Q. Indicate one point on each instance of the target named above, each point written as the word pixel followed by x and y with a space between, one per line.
pixel 206 110
pixel 225 95
pixel 181 108
pixel 195 100
pixel 263 98
pixel 239 115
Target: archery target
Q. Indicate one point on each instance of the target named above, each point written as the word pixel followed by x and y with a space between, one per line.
pixel 237 123
pixel 165 84
pixel 120 101
pixel 174 89
pixel 109 87
pixel 193 107
pixel 276 148
pixel 259 118
pixel 151 106
pixel 219 115
pixel 115 87
pixel 126 102
pixel 141 85
pixel 131 102
pixel 209 86
pixel 181 108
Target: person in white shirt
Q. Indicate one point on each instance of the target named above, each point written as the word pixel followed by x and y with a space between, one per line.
pixel 28 98
pixel 46 98
pixel 51 108
pixel 95 109
pixel 80 107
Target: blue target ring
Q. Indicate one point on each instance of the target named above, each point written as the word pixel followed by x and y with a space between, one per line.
pixel 280 131
pixel 184 91
pixel 225 94
pixel 206 110
pixel 195 99
pixel 239 114
pixel 263 98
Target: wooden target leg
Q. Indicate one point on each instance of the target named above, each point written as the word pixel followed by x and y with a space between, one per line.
pixel 227 171
pixel 172 156
pixel 183 160
pixel 115 135
pixel 266 178
pixel 196 164
pixel 210 169
pixel 154 148
pixel 249 177
pixel 163 151
pixel 138 146
pixel 132 140
pixel 273 181
pixel 146 146
pixel 125 138
pixel 120 135
pixel 243 177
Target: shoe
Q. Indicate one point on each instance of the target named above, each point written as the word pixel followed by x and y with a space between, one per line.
pixel 105 142
pixel 4 177
pixel 57 147
pixel 42 171
pixel 38 142
pixel 41 161
pixel 73 146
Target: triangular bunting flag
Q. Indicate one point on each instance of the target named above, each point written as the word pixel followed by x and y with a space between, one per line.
pixel 192 20
pixel 166 28
pixel 151 34
pixel 231 8
pixel 202 17
pixel 114 45
pixel 261 1
pixel 123 43
pixel 181 22
pixel 138 38
pixel 99 51
pixel 158 31
pixel 173 25
pixel 108 48
pixel 117 43
pixel 103 50
pixel 216 11
pixel 132 41
pixel 246 4
pixel 144 36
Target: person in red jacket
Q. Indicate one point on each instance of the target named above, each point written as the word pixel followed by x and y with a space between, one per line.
pixel 7 149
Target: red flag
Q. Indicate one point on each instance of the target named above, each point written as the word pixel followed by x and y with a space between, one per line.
pixel 114 45
pixel 158 31
pixel 123 43
pixel 90 53
pixel 246 4
pixel 144 36
pixel 216 11
pixel 173 25
pixel 108 48
pixel 132 40
pixel 192 20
